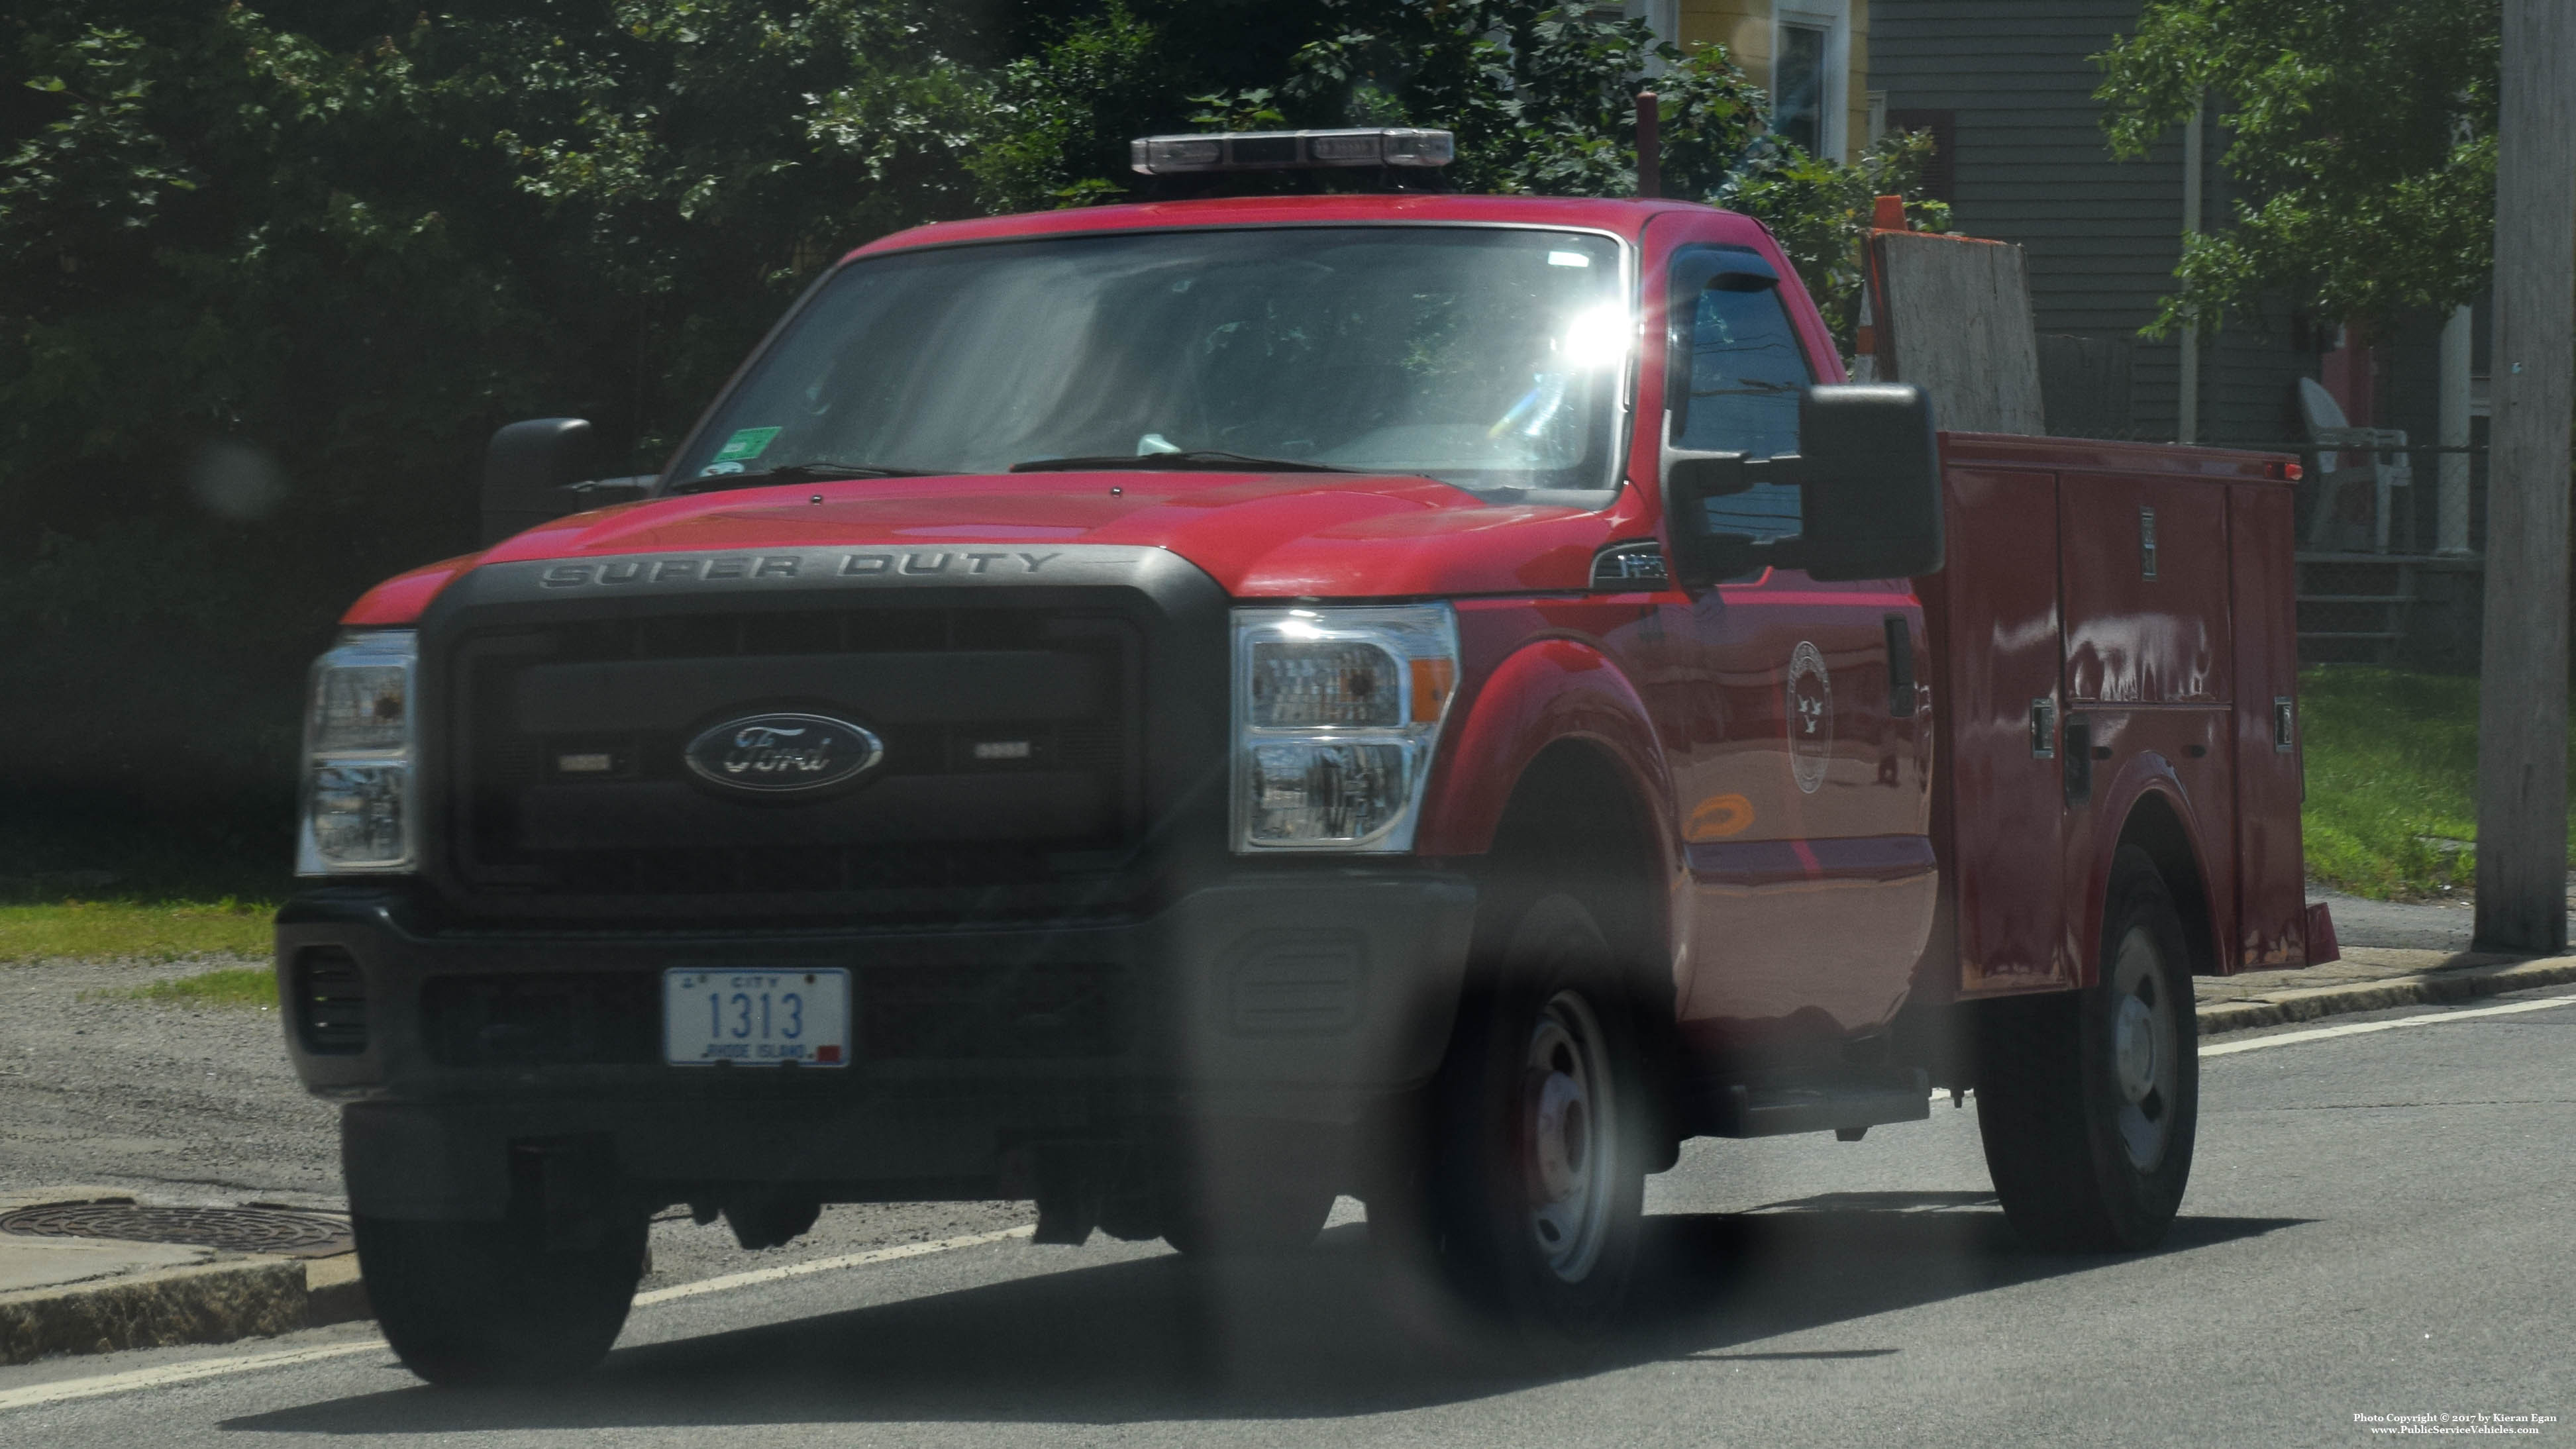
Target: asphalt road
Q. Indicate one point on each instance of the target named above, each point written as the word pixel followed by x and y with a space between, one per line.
pixel 2378 1224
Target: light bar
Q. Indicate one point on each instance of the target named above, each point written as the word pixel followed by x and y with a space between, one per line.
pixel 1290 150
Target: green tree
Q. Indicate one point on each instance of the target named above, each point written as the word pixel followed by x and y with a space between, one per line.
pixel 2362 133
pixel 266 287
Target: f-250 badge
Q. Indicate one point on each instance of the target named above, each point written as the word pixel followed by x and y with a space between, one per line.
pixel 1811 716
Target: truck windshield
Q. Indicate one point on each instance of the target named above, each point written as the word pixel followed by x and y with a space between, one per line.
pixel 1491 358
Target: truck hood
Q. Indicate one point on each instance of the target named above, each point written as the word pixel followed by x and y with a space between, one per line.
pixel 1259 535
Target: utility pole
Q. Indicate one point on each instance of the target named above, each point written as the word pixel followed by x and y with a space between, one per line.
pixel 2522 711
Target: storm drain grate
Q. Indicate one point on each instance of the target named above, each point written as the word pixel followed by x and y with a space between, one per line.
pixel 282 1231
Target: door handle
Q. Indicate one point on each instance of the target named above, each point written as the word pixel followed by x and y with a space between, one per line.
pixel 2043 729
pixel 1900 668
pixel 2079 759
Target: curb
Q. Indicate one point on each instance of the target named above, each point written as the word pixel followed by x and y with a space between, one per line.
pixel 2462 983
pixel 333 1291
pixel 202 1303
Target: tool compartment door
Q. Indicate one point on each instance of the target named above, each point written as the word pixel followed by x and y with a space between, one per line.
pixel 2149 679
pixel 2271 879
pixel 1999 804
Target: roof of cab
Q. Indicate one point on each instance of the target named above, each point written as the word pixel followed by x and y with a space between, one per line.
pixel 1620 218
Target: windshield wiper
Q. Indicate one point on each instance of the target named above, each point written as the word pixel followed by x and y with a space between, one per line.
pixel 1195 460
pixel 821 470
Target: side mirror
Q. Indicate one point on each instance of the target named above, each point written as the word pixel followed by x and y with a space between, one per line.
pixel 1703 556
pixel 525 470
pixel 1869 493
pixel 1872 504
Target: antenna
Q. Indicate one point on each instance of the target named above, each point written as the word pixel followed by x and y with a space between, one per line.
pixel 1650 148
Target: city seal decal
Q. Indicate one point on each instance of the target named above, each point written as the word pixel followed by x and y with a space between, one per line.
pixel 1811 716
pixel 783 754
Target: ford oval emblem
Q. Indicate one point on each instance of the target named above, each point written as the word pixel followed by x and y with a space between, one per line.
pixel 783 754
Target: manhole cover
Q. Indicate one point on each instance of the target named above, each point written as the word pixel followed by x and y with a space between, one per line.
pixel 281 1231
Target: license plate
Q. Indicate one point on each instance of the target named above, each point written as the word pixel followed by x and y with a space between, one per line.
pixel 756 1018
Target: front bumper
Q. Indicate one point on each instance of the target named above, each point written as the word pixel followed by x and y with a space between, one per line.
pixel 1297 996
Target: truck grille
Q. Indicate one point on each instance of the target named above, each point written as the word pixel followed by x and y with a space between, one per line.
pixel 1008 788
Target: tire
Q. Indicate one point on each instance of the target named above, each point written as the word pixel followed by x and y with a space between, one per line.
pixel 1532 1142
pixel 2089 1102
pixel 486 1303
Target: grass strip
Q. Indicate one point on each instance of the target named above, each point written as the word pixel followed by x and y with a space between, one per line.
pixel 2392 764
pixel 144 930
pixel 253 986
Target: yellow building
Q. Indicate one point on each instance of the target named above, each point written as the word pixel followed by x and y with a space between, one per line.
pixel 1812 55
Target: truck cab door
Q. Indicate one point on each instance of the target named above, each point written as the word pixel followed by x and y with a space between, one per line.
pixel 1803 795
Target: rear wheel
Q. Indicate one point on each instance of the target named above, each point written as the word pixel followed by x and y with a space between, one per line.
pixel 487 1302
pixel 2088 1103
pixel 1532 1155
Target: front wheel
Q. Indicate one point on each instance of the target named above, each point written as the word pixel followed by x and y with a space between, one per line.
pixel 488 1302
pixel 2088 1103
pixel 1532 1177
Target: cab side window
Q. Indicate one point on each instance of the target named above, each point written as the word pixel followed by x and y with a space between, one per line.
pixel 1747 372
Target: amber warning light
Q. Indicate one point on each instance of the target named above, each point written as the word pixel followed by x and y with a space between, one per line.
pixel 1291 150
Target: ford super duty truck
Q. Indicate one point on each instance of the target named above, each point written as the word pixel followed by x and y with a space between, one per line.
pixel 1181 711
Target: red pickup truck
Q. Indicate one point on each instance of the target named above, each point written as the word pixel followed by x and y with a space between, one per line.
pixel 1185 710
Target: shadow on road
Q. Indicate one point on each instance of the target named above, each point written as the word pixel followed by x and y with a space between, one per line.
pixel 1337 1331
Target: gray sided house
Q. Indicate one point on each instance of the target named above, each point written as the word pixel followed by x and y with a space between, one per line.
pixel 2006 87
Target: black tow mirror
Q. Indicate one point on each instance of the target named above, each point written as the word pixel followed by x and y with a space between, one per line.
pixel 1869 490
pixel 526 470
pixel 1872 504
pixel 1703 555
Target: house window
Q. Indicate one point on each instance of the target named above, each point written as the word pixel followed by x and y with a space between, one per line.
pixel 1801 87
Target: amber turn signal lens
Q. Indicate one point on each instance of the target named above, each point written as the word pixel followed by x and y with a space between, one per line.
pixel 1432 681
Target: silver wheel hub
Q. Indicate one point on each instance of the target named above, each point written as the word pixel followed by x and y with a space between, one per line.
pixel 2145 1050
pixel 1568 1119
pixel 2135 1031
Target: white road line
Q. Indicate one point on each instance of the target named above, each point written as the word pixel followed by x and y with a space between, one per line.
pixel 176 1373
pixel 825 1265
pixel 2357 1028
pixel 66 1390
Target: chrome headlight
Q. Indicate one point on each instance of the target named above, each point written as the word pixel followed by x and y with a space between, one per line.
pixel 1336 714
pixel 358 815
